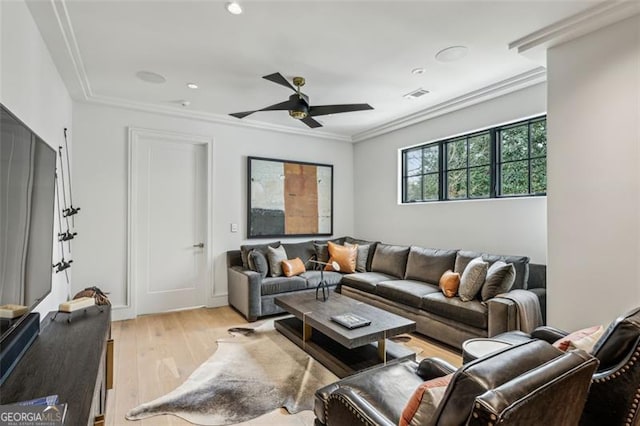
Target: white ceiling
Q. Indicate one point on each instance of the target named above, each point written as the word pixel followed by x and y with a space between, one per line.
pixel 348 51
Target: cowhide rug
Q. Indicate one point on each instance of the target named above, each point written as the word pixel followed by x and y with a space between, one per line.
pixel 250 374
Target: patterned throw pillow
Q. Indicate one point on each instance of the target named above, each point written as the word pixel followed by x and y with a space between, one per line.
pixel 584 339
pixel 449 283
pixel 293 267
pixel 345 256
pixel 425 400
pixel 276 256
pixel 472 279
pixel 500 279
pixel 258 263
pixel 363 255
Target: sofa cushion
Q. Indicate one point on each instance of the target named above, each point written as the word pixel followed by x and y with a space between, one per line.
pixel 344 256
pixel 521 263
pixel 275 256
pixel 313 278
pixel 472 313
pixel 322 252
pixel 258 262
pixel 372 249
pixel 304 251
pixel 391 260
pixel 408 292
pixel 472 279
pixel 428 265
pixel 245 249
pixel 363 255
pixel 277 285
pixel 365 281
pixel 500 277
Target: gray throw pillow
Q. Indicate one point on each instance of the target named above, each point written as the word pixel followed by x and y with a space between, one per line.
pixel 245 249
pixel 500 278
pixel 472 279
pixel 363 255
pixel 322 252
pixel 258 263
pixel 276 256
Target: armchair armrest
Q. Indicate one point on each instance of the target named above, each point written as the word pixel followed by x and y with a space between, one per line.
pixel 347 408
pixel 548 334
pixel 430 368
pixel 244 291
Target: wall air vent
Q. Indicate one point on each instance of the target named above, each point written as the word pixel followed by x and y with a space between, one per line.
pixel 416 94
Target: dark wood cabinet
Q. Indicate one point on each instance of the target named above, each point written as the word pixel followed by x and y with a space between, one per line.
pixel 71 359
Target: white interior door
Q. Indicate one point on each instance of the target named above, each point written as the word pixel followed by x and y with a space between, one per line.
pixel 168 229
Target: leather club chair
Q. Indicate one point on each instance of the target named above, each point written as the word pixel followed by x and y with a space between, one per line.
pixel 531 383
pixel 614 398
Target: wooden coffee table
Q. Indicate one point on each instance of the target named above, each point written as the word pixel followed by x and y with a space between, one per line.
pixel 343 351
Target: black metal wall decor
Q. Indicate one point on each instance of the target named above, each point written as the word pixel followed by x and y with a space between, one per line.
pixel 289 198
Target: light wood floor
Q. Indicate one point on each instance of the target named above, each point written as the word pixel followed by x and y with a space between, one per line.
pixel 156 353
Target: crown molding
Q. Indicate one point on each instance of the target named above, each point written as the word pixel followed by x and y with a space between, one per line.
pixel 592 19
pixel 210 117
pixel 512 84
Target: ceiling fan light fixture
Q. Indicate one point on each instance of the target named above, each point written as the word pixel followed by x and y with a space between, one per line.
pixel 233 7
pixel 298 115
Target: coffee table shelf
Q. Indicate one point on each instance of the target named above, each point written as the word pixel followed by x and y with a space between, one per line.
pixel 341 350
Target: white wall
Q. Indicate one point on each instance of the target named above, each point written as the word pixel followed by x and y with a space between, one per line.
pixel 505 226
pixel 100 154
pixel 594 176
pixel 32 89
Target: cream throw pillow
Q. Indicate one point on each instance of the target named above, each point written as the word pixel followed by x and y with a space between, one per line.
pixel 472 279
pixel 276 256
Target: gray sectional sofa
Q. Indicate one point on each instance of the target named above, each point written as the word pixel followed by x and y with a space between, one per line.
pixel 400 279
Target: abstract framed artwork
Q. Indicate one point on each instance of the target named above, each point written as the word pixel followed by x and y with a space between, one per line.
pixel 289 198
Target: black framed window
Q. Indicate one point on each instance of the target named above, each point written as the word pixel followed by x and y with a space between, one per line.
pixel 504 161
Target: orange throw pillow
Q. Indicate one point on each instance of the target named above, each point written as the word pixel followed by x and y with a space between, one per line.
pixel 428 395
pixel 345 257
pixel 293 267
pixel 449 283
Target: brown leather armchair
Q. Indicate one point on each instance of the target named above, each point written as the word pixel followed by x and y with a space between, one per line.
pixel 614 398
pixel 531 383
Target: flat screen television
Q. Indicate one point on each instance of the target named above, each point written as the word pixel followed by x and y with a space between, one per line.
pixel 27 194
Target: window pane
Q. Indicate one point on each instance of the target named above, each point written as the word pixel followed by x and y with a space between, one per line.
pixel 539 176
pixel 457 154
pixel 431 187
pixel 413 189
pixel 457 184
pixel 413 162
pixel 430 159
pixel 514 143
pixel 539 138
pixel 479 151
pixel 479 182
pixel 515 178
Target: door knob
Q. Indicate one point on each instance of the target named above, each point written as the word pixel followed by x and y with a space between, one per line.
pixel 199 245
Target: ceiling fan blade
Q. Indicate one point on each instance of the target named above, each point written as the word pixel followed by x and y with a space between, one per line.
pixel 336 109
pixel 311 122
pixel 242 114
pixel 286 105
pixel 279 79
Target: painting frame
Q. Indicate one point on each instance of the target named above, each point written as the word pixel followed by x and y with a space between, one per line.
pixel 286 209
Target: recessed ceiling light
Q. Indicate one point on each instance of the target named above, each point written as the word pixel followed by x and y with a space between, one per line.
pixel 417 70
pixel 192 85
pixel 451 54
pixel 234 8
pixel 150 77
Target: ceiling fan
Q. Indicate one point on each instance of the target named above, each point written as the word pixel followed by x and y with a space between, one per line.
pixel 298 103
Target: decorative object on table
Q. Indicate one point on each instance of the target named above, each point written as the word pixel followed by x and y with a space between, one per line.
pixel 322 286
pixel 351 321
pixel 76 304
pixel 100 297
pixel 249 375
pixel 12 311
pixel 289 198
pixel 298 103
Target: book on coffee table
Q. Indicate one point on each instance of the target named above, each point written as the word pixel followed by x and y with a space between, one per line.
pixel 350 320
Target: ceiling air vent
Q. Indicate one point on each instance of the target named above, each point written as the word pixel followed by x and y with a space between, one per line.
pixel 416 94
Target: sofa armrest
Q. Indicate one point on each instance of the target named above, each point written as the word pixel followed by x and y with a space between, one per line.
pixel 548 334
pixel 244 291
pixel 503 316
pixel 430 368
pixel 346 408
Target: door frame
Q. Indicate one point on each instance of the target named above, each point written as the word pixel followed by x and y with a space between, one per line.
pixel 130 309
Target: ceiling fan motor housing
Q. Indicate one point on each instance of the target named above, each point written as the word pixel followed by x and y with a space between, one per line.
pixel 301 108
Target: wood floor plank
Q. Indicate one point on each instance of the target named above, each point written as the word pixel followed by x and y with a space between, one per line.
pixel 155 353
